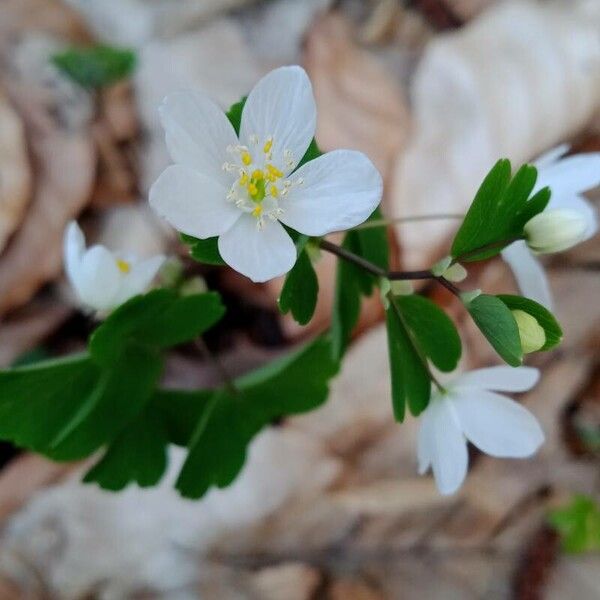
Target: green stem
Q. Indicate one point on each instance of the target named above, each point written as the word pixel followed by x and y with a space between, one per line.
pixel 411 219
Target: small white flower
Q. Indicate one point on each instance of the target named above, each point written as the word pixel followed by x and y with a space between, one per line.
pixel 555 230
pixel 470 411
pixel 568 178
pixel 102 279
pixel 242 190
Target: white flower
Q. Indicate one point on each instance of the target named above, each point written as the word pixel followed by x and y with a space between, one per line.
pixel 568 178
pixel 102 279
pixel 470 411
pixel 555 230
pixel 243 189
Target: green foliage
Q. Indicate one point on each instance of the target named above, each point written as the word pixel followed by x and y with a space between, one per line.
pixel 234 114
pixel 498 325
pixel 411 383
pixel 67 409
pixel 433 330
pixel 541 314
pixel 352 282
pixel 500 210
pixel 311 153
pixel 300 290
pixel 228 422
pixel 203 251
pixel 578 525
pixel 95 66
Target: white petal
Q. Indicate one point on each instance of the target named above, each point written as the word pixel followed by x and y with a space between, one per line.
pixel 139 278
pixel 198 133
pixel 281 105
pixel 425 441
pixel 551 156
pixel 445 445
pixel 529 273
pixel 500 379
pixel 498 425
pixel 74 247
pixel 193 203
pixel 98 279
pixel 581 205
pixel 571 175
pixel 258 254
pixel 340 190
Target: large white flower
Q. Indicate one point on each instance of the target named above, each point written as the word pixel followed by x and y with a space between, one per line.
pixel 568 178
pixel 242 190
pixel 471 411
pixel 102 279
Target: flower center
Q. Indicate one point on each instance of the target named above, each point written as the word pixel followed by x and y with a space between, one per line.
pixel 259 182
pixel 123 265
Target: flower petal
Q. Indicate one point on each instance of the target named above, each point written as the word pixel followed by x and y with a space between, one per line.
pixel 73 249
pixel 198 133
pixel 529 273
pixel 571 175
pixel 442 441
pixel 581 205
pixel 281 106
pixel 500 379
pixel 258 254
pixel 340 190
pixel 551 156
pixel 139 278
pixel 98 279
pixel 193 203
pixel 498 425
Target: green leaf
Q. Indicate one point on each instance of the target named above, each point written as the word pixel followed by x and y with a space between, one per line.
pixel 311 153
pixel 95 66
pixel 578 525
pixel 300 290
pixel 434 331
pixel 138 454
pixel 499 212
pixel 203 251
pixel 38 400
pixel 119 395
pixel 411 383
pixel 227 423
pixel 541 314
pixel 374 243
pixel 497 324
pixel 160 318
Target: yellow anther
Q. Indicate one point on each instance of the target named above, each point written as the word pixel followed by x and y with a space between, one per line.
pixel 252 189
pixel 257 174
pixel 257 211
pixel 123 265
pixel 244 178
pixel 268 145
pixel 246 157
pixel 274 191
pixel 274 171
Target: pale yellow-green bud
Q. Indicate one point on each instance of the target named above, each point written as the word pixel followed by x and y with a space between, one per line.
pixel 532 334
pixel 555 230
pixel 455 273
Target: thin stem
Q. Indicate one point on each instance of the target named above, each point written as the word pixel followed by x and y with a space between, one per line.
pixel 219 366
pixel 449 286
pixel 411 219
pixel 409 275
pixel 353 258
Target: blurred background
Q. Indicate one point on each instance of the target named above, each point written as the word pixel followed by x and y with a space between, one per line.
pixel 329 504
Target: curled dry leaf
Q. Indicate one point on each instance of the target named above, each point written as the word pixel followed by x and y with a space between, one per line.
pixel 57 116
pixel 15 171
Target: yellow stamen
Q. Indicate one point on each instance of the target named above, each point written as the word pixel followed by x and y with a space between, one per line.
pixel 268 145
pixel 274 172
pixel 123 265
pixel 257 174
pixel 257 211
pixel 252 189
pixel 246 157
pixel 274 191
pixel 244 178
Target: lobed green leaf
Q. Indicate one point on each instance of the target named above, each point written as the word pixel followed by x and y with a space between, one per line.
pixel 300 290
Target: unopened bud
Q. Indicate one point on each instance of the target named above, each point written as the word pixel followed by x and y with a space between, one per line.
pixel 555 230
pixel 455 273
pixel 468 297
pixel 532 334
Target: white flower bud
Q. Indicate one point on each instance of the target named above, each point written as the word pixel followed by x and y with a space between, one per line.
pixel 555 230
pixel 455 273
pixel 532 334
